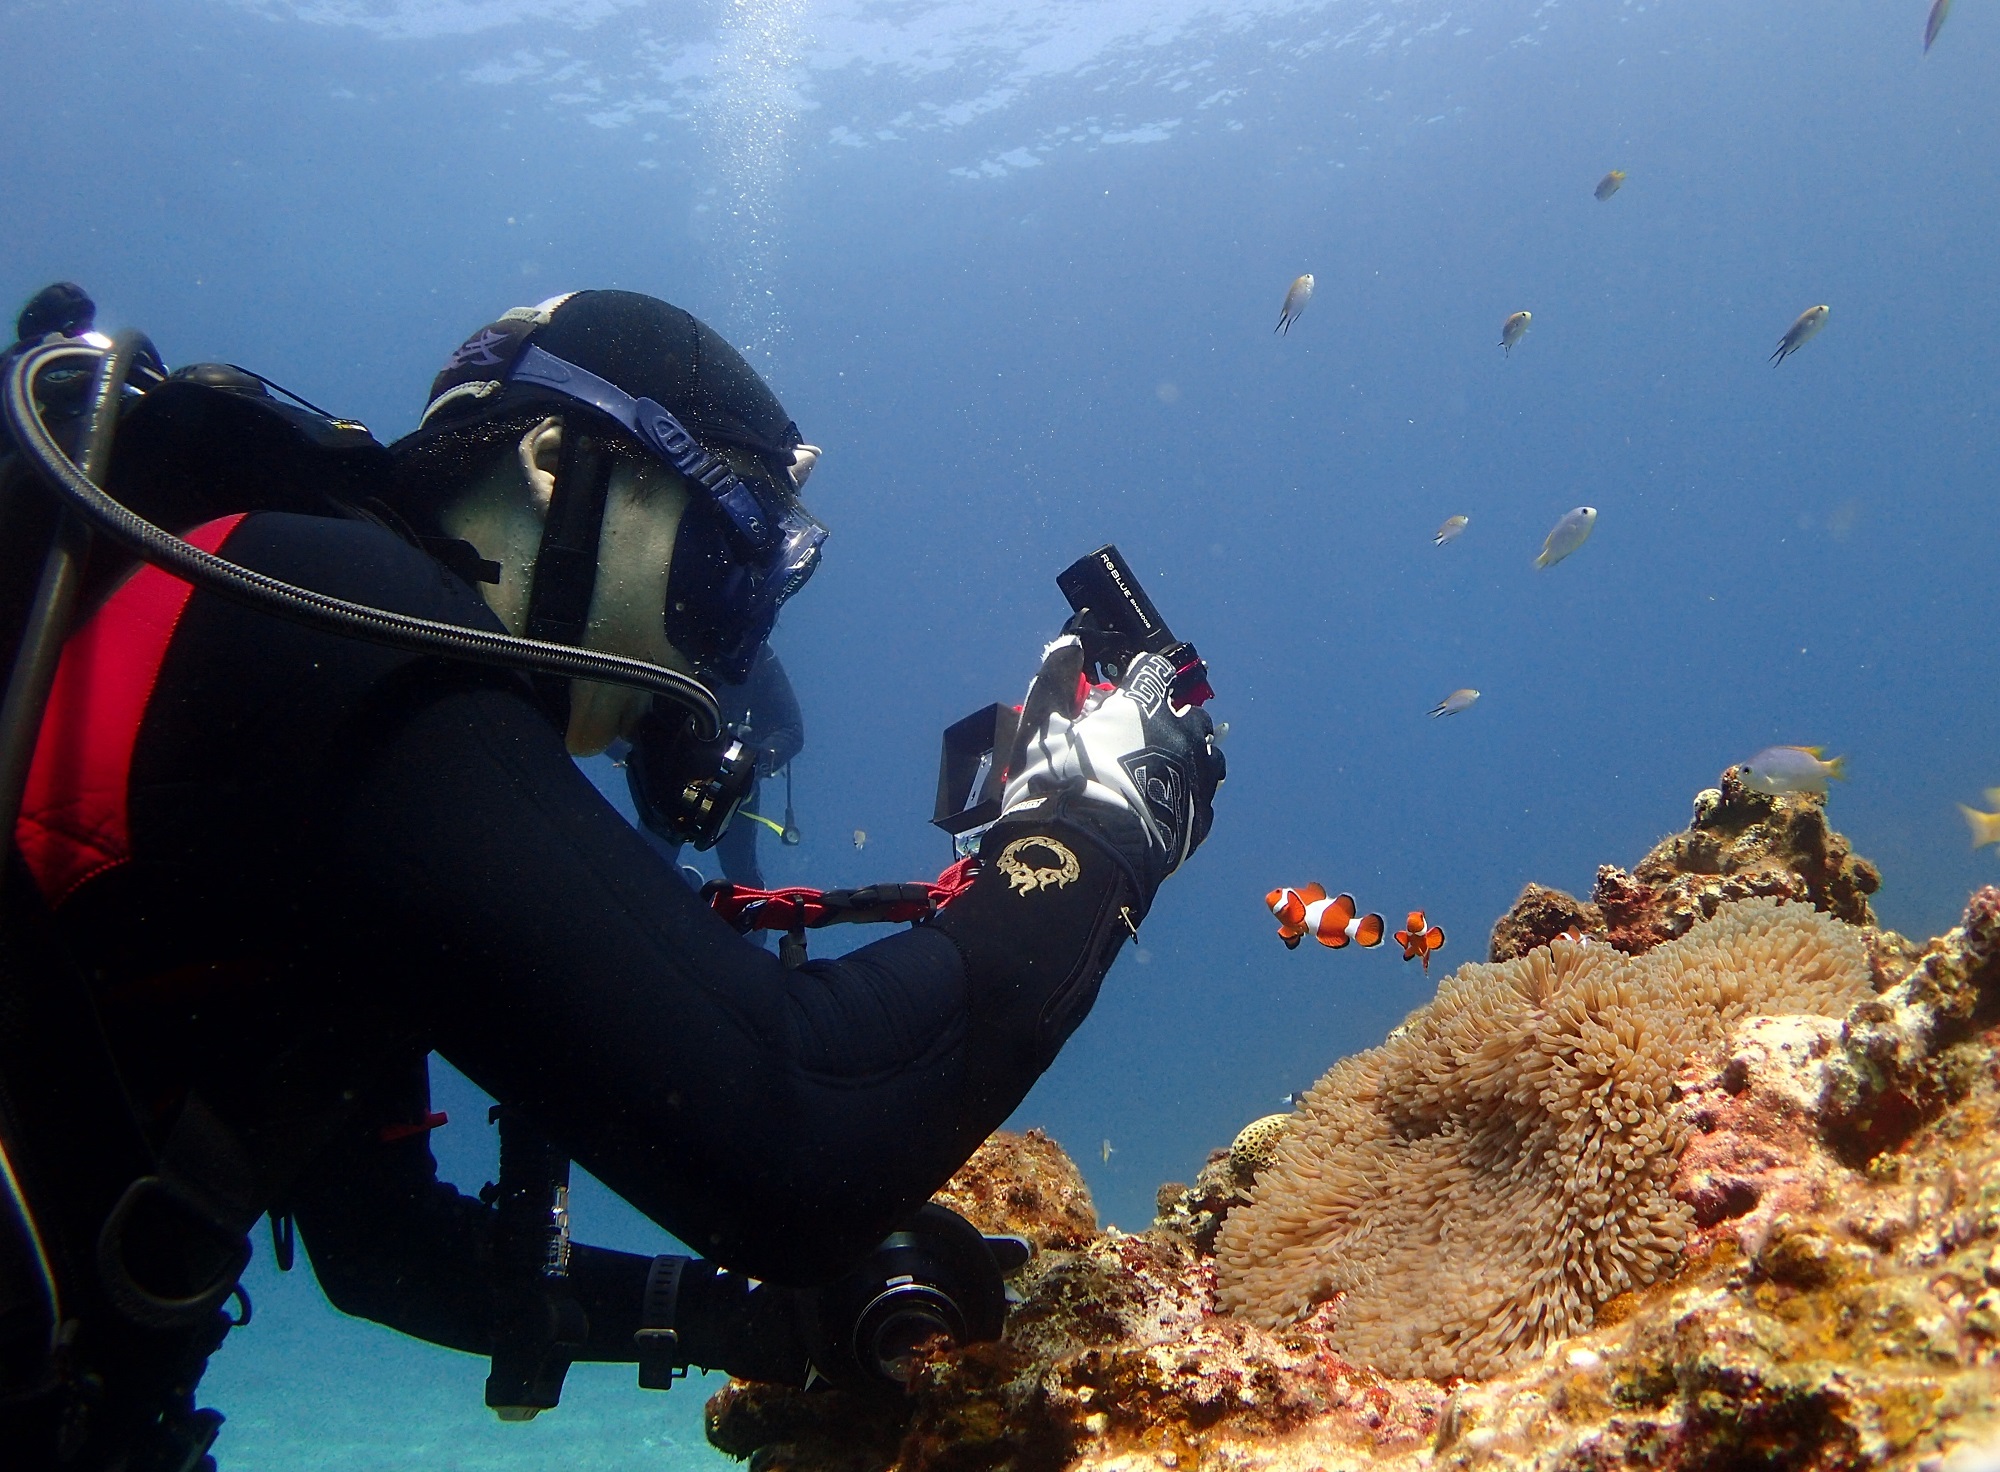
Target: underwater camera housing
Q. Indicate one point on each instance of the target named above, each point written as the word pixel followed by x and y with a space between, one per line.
pixel 1117 622
pixel 938 1280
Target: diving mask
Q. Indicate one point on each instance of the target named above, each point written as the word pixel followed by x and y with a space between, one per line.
pixel 738 555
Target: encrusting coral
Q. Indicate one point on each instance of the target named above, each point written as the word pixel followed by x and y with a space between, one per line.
pixel 1741 844
pixel 1477 1186
pixel 1834 1306
pixel 1256 1145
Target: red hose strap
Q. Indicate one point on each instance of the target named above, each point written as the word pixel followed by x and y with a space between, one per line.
pixel 800 908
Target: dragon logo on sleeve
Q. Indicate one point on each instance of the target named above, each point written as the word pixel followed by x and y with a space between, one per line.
pixel 1057 866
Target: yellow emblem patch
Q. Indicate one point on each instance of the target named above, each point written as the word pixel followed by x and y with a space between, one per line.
pixel 1028 877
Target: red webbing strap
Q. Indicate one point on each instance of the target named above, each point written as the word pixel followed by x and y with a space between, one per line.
pixel 808 909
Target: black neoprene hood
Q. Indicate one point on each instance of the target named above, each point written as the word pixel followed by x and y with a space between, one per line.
pixel 649 348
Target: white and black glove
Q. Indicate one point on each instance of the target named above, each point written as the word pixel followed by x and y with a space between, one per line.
pixel 1124 763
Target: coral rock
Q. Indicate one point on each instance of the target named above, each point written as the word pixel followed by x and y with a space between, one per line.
pixel 1027 1185
pixel 1537 918
pixel 1196 1213
pixel 1753 1161
pixel 1909 1053
pixel 1741 845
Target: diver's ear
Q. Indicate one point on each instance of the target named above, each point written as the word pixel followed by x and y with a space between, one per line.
pixel 541 452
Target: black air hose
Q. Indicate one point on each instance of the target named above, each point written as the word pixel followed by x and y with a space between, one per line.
pixel 240 584
pixel 47 623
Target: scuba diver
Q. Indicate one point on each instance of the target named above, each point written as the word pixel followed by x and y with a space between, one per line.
pixel 300 809
pixel 60 309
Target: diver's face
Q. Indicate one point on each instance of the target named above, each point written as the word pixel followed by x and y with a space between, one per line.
pixel 642 514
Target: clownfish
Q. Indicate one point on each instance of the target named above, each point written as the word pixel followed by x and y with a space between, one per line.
pixel 1331 922
pixel 1417 942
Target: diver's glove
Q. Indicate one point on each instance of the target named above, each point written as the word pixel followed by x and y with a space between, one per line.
pixel 1123 762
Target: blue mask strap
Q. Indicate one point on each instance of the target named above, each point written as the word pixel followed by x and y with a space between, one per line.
pixel 663 434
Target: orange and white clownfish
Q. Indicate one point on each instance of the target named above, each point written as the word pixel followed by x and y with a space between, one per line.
pixel 1331 922
pixel 1417 942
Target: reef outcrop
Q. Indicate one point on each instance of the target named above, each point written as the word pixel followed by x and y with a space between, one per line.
pixel 1475 1188
pixel 1833 1301
pixel 1740 844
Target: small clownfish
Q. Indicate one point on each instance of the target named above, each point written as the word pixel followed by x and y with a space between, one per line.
pixel 1418 942
pixel 1331 922
pixel 1576 936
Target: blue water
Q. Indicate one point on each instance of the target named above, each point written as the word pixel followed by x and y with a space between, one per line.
pixel 1016 268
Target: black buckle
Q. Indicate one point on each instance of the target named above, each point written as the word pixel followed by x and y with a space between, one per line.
pixel 134 1299
pixel 660 1363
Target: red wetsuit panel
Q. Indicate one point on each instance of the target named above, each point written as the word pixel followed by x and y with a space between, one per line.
pixel 74 823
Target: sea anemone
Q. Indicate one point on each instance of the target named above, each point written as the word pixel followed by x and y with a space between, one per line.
pixel 1480 1183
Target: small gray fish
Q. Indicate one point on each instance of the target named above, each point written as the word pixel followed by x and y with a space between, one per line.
pixel 1939 10
pixel 1453 525
pixel 1513 330
pixel 861 838
pixel 1800 332
pixel 1453 703
pixel 1567 535
pixel 1107 1152
pixel 1608 185
pixel 1300 292
pixel 1781 769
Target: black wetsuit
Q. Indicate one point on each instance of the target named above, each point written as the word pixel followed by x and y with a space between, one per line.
pixel 340 858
